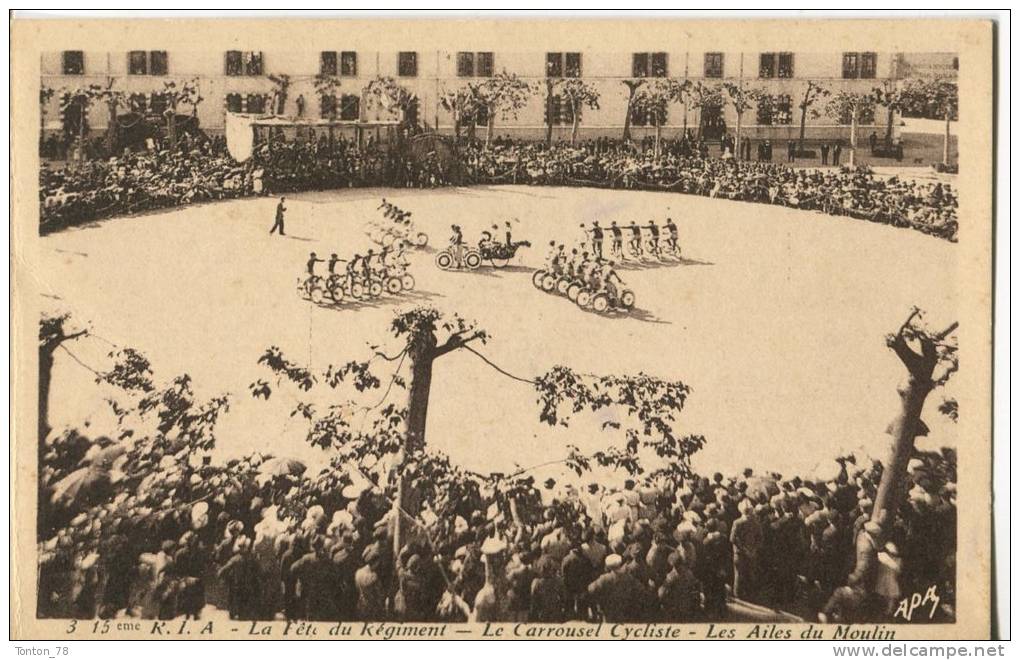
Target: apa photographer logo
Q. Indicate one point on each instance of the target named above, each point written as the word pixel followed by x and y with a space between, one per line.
pixel 909 605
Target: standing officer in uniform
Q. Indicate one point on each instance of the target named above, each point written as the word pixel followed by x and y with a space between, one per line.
pixel 280 208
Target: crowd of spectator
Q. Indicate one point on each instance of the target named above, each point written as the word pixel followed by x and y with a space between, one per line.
pixel 187 540
pixel 79 193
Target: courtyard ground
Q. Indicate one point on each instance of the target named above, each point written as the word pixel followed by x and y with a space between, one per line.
pixel 776 318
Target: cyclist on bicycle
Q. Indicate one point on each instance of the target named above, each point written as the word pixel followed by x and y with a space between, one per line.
pixel 552 255
pixel 610 279
pixel 653 242
pixel 312 260
pixel 594 276
pixel 333 260
pixel 457 242
pixel 673 242
pixel 635 238
pixel 366 265
pixel 617 246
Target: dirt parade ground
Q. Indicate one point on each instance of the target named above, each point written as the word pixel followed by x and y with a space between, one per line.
pixel 762 297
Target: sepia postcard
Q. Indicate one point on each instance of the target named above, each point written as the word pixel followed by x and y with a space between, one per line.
pixel 501 328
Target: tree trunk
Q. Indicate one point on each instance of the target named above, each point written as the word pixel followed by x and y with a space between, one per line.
pixel 888 125
pixel 171 129
pixel 488 128
pixel 548 112
pixel 45 375
pixel 905 427
pixel 456 129
pixel 945 142
pixel 573 127
pixel 853 138
pixel 903 430
pixel 736 140
pixel 421 352
pixel 803 125
pixel 658 136
pixel 632 90
pixel 112 129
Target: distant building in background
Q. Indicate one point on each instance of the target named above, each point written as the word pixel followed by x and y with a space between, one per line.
pixel 238 81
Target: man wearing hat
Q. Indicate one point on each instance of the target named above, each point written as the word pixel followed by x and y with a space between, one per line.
pixel 617 596
pixel 747 538
pixel 372 591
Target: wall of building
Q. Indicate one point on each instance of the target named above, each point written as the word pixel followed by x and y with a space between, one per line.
pixel 437 72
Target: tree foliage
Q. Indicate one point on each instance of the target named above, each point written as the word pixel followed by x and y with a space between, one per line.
pixel 742 98
pixel 651 407
pixel 939 95
pixel 505 94
pixel 391 95
pixel 184 93
pixel 656 95
pixel 814 92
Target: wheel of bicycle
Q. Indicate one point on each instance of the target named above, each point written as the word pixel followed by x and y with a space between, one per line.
pixel 627 299
pixel 375 289
pixel 407 281
pixel 498 262
pixel 572 291
pixel 393 285
pixel 549 283
pixel 583 298
pixel 444 260
pixel 600 303
pixel 317 295
pixel 336 292
pixel 357 291
pixel 421 239
pixel 562 285
pixel 537 278
pixel 472 259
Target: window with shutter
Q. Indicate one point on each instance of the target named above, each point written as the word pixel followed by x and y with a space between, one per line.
pixel 554 65
pixel 158 63
pixel 327 106
pixel 713 65
pixel 349 63
pixel 484 65
pixel 465 64
pixel 350 107
pixel 234 64
pixel 138 63
pixel 785 68
pixel 639 67
pixel 73 62
pixel 850 65
pixel 659 65
pixel 573 65
pixel 869 63
pixel 327 63
pixel 407 64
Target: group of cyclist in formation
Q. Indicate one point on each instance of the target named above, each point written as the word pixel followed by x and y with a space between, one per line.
pixel 363 277
pixel 395 227
pixel 585 274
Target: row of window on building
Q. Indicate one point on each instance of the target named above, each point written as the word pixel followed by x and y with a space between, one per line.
pixel 478 64
pixel 771 110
